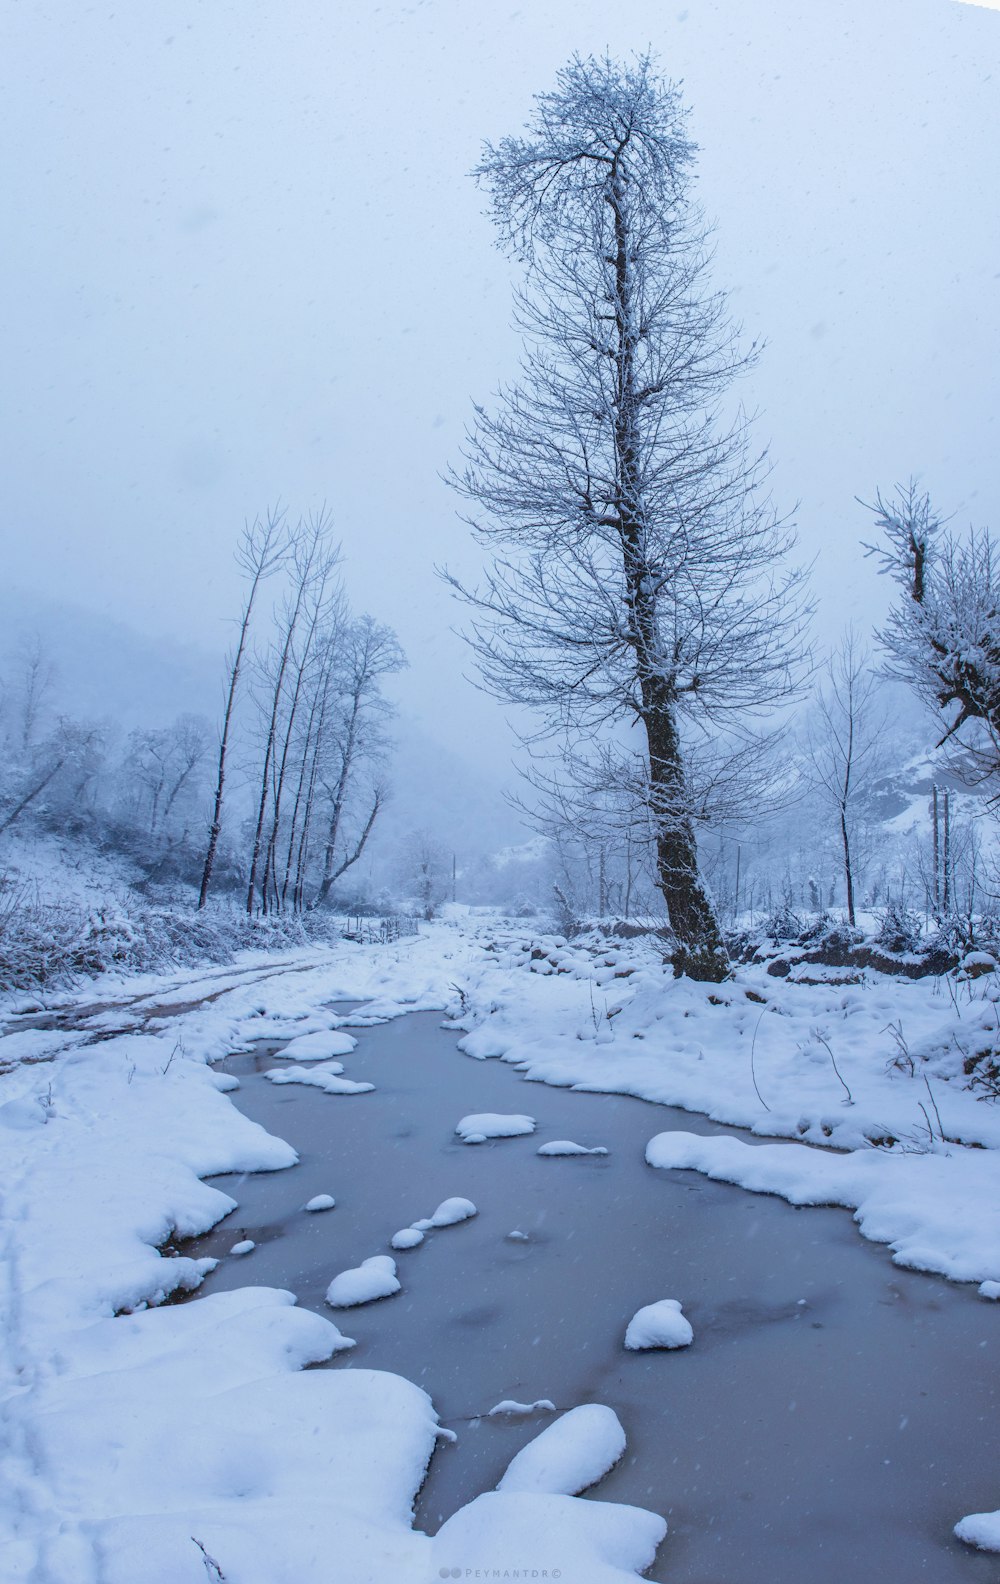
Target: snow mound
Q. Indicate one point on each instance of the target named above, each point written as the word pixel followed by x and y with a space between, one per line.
pixel 484 1125
pixel 989 1289
pixel 592 1542
pixel 509 1406
pixel 451 1211
pixel 448 1213
pixel 245 1247
pixel 25 1114
pixel 320 1202
pixel 321 1078
pixel 659 1325
pixel 408 1238
pixel 318 1046
pixel 567 1147
pixel 571 1454
pixel 981 1530
pixel 373 1278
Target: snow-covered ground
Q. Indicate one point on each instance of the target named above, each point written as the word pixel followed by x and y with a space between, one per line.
pixel 110 1123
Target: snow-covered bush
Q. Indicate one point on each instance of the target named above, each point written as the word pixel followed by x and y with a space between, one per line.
pixel 899 930
pixel 50 943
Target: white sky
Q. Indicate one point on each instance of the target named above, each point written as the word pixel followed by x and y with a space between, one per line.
pixel 242 260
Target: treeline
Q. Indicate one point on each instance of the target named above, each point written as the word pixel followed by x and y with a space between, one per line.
pixel 273 804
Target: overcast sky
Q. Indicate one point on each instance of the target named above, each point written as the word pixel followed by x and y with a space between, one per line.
pixel 243 261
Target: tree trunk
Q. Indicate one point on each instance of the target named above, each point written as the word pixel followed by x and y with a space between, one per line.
pixel 701 954
pixel 331 875
pixel 848 869
pixel 259 562
pixel 689 907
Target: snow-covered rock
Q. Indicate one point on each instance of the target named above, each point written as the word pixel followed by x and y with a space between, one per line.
pixel 981 1530
pixel 245 1246
pixel 491 1124
pixel 320 1202
pixel 451 1211
pixel 407 1238
pixel 373 1278
pixel 571 1454
pixel 318 1047
pixel 659 1325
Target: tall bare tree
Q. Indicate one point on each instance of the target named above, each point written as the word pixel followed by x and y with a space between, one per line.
pixel 635 561
pixel 371 652
pixel 312 558
pixel 846 745
pixel 261 548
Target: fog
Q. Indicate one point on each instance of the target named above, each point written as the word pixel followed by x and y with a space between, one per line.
pixel 244 262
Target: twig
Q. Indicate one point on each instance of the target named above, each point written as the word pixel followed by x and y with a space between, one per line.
pixel 817 1035
pixel 173 1053
pixel 212 1567
pixel 933 1102
pixel 753 1075
pixel 930 1130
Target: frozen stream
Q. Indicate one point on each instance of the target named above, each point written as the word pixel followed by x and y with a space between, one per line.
pixel 833 1419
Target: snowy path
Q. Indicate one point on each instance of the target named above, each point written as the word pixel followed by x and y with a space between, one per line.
pixel 833 1418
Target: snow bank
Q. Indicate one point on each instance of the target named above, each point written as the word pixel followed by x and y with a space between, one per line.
pixel 571 1454
pixel 373 1278
pixel 528 1535
pixel 490 1124
pixel 659 1325
pixel 938 1212
pixel 279 1475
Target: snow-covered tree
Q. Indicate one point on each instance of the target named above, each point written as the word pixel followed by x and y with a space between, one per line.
pixel 635 577
pixel 352 756
pixel 943 633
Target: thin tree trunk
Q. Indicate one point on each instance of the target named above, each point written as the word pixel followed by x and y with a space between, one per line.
pixel 946 858
pixel 848 870
pixel 261 565
pixel 352 858
pixel 337 809
pixel 937 852
pixel 36 791
pixel 258 837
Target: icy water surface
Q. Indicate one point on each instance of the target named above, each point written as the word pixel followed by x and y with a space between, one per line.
pixel 833 1419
